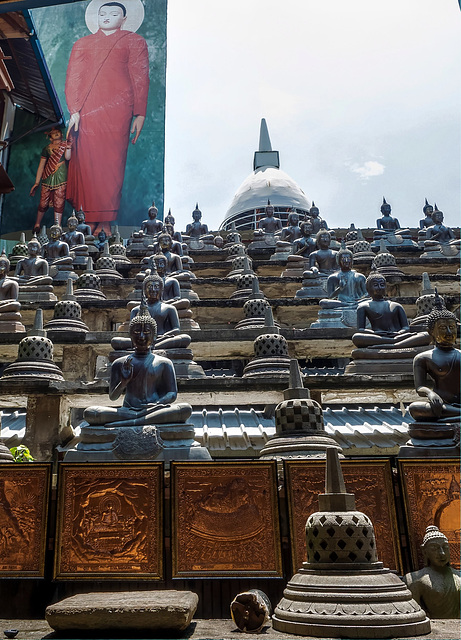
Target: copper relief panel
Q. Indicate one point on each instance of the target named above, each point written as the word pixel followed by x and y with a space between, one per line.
pixel 24 494
pixel 110 521
pixel 225 520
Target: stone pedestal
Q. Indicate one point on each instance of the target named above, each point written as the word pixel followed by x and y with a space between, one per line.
pixel 41 293
pixel 162 442
pixel 313 287
pixel 46 425
pixel 432 440
pixel 382 361
pixel 340 318
pixel 184 365
pixel 11 322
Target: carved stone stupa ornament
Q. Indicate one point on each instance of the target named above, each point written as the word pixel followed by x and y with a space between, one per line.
pixel 343 590
pixel 271 353
pixel 149 425
pixel 435 432
pixel 19 251
pixel 254 309
pixel 88 285
pixel 244 282
pixel 300 431
pixel 436 587
pixel 106 267
pixel 67 324
pixel 385 263
pixel 35 357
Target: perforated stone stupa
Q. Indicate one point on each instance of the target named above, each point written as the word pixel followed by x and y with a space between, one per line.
pixel 343 590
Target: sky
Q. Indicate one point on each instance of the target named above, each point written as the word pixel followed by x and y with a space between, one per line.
pixel 361 99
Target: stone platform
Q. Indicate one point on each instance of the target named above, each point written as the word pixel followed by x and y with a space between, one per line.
pixel 210 629
pixel 134 610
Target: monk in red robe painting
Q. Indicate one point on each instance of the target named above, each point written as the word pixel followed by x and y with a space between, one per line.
pixel 107 84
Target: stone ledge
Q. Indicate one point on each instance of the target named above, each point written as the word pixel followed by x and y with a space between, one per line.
pixel 136 610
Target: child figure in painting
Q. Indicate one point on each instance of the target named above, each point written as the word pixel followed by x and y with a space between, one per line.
pixel 52 171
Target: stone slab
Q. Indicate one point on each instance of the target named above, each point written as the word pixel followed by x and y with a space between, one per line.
pixel 136 610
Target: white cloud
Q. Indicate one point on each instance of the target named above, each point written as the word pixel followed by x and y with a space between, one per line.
pixel 368 169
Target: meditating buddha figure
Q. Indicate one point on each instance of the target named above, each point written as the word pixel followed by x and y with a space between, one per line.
pixel 442 364
pixel 388 320
pixel 267 229
pixel 148 381
pixel 315 219
pixel 33 270
pixel 291 232
pixel 75 239
pixel 440 238
pixel 388 228
pixel 174 262
pixel 197 228
pixel 322 263
pixel 436 588
pixel 427 220
pixel 164 314
pixel 82 226
pixel 151 226
pixel 56 251
pixel 346 286
pixel 10 317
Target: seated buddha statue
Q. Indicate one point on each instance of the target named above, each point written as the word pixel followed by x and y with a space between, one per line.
pixel 169 218
pixel 427 220
pixel 440 238
pixel 172 293
pixel 441 403
pixel 176 246
pixel 268 227
pixel 197 232
pixel 10 317
pixel 436 587
pixel 388 228
pixel 165 245
pixel 151 226
pixel 292 231
pixel 76 241
pixel 148 381
pixel 388 320
pixel 58 255
pixel 322 263
pixel 83 227
pixel 315 219
pixel 33 271
pixel 298 261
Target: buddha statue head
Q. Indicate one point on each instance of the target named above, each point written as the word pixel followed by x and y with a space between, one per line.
pixel 56 232
pixel 269 209
pixel 437 216
pixel 435 548
pixel 165 241
pixel 376 285
pixel 385 208
pixel 152 211
pixel 442 325
pixel 80 215
pixel 314 211
pixel 169 218
pixel 306 228
pixel 72 223
pixel 345 258
pixel 33 247
pixel 196 213
pixel 143 330
pixel 293 219
pixel 152 287
pixel 160 263
pixel 428 208
pixel 323 239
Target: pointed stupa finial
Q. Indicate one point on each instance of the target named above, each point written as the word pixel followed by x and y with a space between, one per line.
pixel 269 324
pixel 37 329
pixel 335 497
pixel 352 227
pixel 264 140
pixel 89 264
pixel 246 265
pixel 22 238
pixel 426 286
pixel 382 246
pixel 255 290
pixel 295 375
pixel 106 252
pixel 69 295
pixel 360 235
pixel 268 202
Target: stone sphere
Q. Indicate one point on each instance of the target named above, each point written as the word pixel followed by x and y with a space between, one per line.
pixel 35 348
pixel 117 250
pixel 255 308
pixel 270 345
pixel 88 280
pixel 340 537
pixel 361 246
pixel 384 260
pixel 105 262
pixel 299 413
pixel 69 309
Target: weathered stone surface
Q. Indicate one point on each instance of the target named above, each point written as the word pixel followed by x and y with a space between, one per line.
pixel 149 610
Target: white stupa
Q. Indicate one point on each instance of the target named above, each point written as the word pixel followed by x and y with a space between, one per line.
pixel 266 182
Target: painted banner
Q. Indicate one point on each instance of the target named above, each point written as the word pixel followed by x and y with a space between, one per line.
pixel 107 61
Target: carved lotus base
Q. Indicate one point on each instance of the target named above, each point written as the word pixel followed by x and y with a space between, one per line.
pixel 372 603
pixel 432 440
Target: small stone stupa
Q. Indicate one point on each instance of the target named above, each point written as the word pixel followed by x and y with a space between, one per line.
pixel 254 309
pixel 244 282
pixel 67 322
pixel 19 251
pixel 386 264
pixel 271 353
pixel 35 357
pixel 300 431
pixel 106 267
pixel 343 590
pixel 89 285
